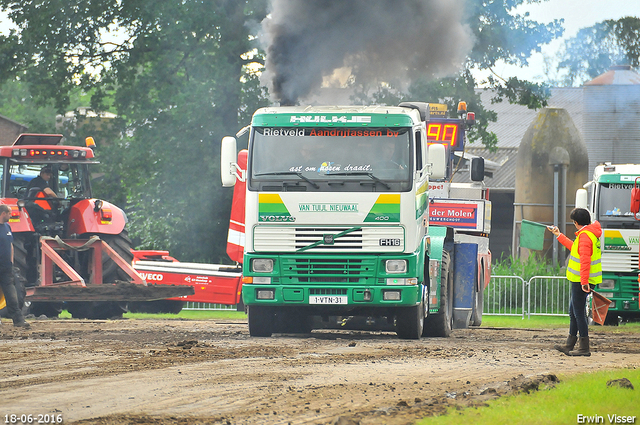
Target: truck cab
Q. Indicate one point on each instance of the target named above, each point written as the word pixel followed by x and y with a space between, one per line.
pixel 607 197
pixel 337 217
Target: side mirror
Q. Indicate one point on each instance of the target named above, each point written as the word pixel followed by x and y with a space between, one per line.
pixel 228 156
pixel 581 198
pixel 477 169
pixel 438 161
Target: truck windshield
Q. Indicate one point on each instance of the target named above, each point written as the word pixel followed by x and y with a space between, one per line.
pixel 614 203
pixel 331 159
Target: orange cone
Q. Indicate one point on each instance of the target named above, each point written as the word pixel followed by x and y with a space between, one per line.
pixel 599 306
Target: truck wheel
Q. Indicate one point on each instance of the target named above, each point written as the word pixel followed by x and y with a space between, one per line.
pixel 110 273
pixel 410 321
pixel 261 320
pixel 441 324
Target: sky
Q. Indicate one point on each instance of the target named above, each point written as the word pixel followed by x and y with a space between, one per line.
pixel 577 14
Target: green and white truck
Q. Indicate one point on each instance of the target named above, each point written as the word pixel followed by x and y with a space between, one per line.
pixel 337 218
pixel 607 197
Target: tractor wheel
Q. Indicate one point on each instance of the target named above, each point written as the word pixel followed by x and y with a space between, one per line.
pixel 110 273
pixel 96 310
pixel 24 258
pixel 26 269
pixel 49 309
pixel 441 324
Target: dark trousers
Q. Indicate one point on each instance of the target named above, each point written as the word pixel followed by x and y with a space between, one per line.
pixel 577 311
pixel 11 296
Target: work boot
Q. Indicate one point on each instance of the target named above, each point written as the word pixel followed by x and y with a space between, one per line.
pixel 568 346
pixel 583 348
pixel 19 322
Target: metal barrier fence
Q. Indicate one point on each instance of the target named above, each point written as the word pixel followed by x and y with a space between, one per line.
pixel 514 296
pixel 505 296
pixel 207 306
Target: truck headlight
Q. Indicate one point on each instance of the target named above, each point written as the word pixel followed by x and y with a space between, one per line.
pixel 265 294
pixel 391 295
pixel 607 284
pixel 396 266
pixel 262 265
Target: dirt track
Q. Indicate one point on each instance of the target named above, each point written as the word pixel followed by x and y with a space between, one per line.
pixel 174 371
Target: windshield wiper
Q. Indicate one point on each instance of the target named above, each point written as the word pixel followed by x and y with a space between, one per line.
pixel 290 173
pixel 370 175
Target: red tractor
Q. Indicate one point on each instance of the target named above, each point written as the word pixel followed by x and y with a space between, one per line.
pixel 44 223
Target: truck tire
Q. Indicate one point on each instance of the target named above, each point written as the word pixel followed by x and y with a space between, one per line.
pixel 261 320
pixel 110 273
pixel 440 324
pixel 410 321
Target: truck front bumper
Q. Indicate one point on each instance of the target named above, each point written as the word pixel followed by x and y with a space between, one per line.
pixel 334 296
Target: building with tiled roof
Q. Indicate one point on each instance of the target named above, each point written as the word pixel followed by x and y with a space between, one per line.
pixel 605 110
pixel 10 130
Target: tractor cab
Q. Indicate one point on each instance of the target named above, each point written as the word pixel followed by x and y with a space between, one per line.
pixel 38 161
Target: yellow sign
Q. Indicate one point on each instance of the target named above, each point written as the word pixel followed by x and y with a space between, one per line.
pixel 438 109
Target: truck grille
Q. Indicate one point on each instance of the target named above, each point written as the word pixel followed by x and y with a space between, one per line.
pixel 328 270
pixel 620 262
pixel 328 291
pixel 290 239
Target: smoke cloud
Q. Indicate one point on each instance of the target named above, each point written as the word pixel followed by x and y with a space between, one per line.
pixel 380 40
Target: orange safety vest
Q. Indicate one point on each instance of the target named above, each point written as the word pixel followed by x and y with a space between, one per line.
pixel 45 205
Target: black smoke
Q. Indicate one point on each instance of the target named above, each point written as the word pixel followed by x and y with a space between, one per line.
pixel 380 40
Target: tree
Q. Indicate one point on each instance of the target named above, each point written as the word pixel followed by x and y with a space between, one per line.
pixel 19 105
pixel 175 75
pixel 595 49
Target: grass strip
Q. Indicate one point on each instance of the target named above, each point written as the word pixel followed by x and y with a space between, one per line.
pixel 585 394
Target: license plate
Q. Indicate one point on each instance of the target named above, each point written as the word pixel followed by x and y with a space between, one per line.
pixel 327 299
